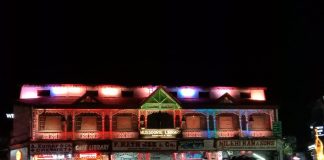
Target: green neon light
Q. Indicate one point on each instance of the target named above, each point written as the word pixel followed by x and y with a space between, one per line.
pixel 160 99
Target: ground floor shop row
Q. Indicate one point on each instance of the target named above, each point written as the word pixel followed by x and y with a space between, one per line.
pixel 194 149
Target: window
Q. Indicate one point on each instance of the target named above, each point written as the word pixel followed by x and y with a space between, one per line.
pixel 260 122
pixel 124 123
pixel 127 94
pixel 193 122
pixel 50 122
pixel 211 122
pixel 245 95
pixel 89 123
pixel 226 122
pixel 203 94
pixel 43 93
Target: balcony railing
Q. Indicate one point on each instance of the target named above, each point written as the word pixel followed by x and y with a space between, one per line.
pixel 257 133
pixel 188 133
pixel 228 134
pixel 125 134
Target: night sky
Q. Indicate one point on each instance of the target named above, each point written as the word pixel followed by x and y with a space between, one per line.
pixel 277 44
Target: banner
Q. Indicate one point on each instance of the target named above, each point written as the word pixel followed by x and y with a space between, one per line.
pixel 246 144
pixel 196 145
pixel 50 148
pixel 143 145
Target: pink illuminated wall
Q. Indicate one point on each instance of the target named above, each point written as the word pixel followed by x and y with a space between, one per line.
pixel 110 91
pixel 257 95
pixel 28 92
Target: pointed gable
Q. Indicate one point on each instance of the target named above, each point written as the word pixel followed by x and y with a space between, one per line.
pixel 160 99
pixel 88 98
pixel 226 99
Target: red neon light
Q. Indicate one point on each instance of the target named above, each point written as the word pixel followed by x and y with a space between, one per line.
pixel 88 155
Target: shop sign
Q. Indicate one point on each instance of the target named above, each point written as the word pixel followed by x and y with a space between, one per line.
pixel 246 144
pixel 19 154
pixel 50 148
pixel 196 145
pixel 159 133
pixel 144 145
pixel 92 146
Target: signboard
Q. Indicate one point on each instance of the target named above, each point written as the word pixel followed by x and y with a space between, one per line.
pixel 140 145
pixel 102 146
pixel 277 129
pixel 320 131
pixel 196 145
pixel 159 133
pixel 50 148
pixel 246 144
pixel 19 154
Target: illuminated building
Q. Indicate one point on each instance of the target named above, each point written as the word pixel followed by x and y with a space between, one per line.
pixel 149 122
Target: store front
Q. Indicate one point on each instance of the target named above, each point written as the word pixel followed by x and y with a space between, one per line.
pixel 261 149
pixel 144 149
pixel 51 151
pixel 91 150
pixel 198 149
pixel 19 154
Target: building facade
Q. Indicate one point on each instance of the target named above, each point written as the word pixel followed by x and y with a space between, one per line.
pixel 111 122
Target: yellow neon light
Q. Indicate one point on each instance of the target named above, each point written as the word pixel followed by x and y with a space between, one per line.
pixel 318 147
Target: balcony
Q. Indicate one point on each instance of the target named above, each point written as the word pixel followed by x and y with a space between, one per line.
pixel 256 133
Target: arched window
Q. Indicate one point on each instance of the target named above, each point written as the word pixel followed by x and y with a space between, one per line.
pixel 88 122
pixel 195 121
pixel 259 121
pixel 125 122
pixel 51 122
pixel 160 120
pixel 227 121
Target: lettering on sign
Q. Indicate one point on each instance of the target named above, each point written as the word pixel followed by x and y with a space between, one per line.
pixel 125 134
pixel 92 147
pixel 50 148
pixel 144 145
pixel 50 135
pixel 91 135
pixel 162 133
pixel 194 134
pixel 248 144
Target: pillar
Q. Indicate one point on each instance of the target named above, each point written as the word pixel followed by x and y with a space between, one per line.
pixel 103 125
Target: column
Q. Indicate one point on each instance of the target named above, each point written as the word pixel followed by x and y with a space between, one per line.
pixel 65 124
pixel 208 132
pixel 145 120
pixel 73 125
pixel 110 124
pixel 247 121
pixel 215 124
pixel 103 125
pixel 240 121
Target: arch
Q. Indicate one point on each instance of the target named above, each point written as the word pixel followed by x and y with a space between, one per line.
pixel 125 122
pixel 191 121
pixel 259 121
pixel 160 120
pixel 227 121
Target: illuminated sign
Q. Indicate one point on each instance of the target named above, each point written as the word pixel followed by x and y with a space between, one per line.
pixel 10 115
pixel 88 135
pixel 246 144
pixel 159 133
pixel 320 131
pixel 88 155
pixel 49 136
pixel 143 145
pixel 50 148
pixel 92 146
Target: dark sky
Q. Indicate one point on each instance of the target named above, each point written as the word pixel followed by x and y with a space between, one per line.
pixel 277 44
